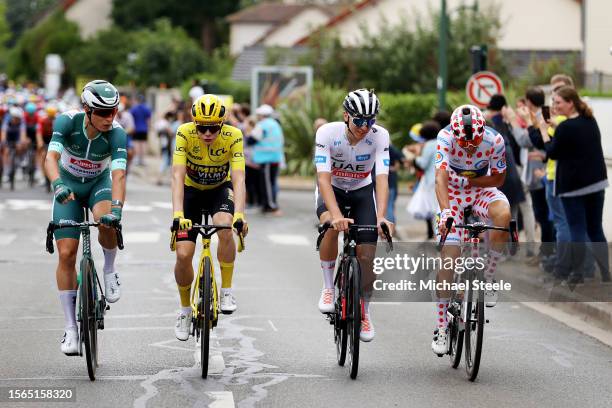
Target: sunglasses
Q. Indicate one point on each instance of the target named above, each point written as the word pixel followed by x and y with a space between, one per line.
pixel 359 122
pixel 465 144
pixel 105 113
pixel 208 128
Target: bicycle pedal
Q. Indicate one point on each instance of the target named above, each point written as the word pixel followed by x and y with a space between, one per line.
pixel 107 307
pixel 487 321
pixel 440 355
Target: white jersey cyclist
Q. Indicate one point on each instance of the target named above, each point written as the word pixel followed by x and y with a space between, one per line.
pixel 351 166
pixel 488 158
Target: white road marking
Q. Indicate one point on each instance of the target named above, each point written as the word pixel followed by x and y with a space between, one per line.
pixel 141 237
pixel 272 325
pixel 17 205
pixel 7 239
pixel 137 208
pixel 221 399
pixel 162 204
pixel 106 329
pixel 386 303
pixel 288 239
pixel 64 378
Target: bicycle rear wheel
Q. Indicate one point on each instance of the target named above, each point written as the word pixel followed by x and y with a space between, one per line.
pixel 88 317
pixel 205 315
pixel 353 318
pixel 340 332
pixel 474 330
pixel 455 333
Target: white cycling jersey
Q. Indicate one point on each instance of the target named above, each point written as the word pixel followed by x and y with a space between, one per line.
pixel 351 166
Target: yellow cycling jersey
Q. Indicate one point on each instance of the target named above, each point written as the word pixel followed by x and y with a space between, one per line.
pixel 208 166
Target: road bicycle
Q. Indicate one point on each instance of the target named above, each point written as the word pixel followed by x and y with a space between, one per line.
pixel 91 302
pixel 466 310
pixel 205 295
pixel 348 304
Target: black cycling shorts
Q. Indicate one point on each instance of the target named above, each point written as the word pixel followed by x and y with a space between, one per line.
pixel 359 205
pixel 196 202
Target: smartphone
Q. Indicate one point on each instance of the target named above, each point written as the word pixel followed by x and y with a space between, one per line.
pixel 546 112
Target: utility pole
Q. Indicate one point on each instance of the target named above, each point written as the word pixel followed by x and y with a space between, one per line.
pixel 442 61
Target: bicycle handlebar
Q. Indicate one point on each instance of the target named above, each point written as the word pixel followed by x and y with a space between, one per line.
pixel 478 228
pixel 322 228
pixel 209 229
pixel 71 224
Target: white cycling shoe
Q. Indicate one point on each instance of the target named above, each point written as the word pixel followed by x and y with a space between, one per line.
pixel 326 301
pixel 182 326
pixel 367 331
pixel 112 287
pixel 228 301
pixel 439 344
pixel 490 298
pixel 70 342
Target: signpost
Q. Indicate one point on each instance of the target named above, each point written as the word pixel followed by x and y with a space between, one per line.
pixel 482 86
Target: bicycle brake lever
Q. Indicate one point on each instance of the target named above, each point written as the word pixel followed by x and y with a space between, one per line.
pixel 119 234
pixel 322 229
pixel 449 225
pixel 387 233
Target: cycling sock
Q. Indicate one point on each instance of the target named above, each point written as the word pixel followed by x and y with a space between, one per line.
pixel 184 293
pixel 68 299
pixel 494 258
pixel 109 259
pixel 441 307
pixel 227 271
pixel 186 311
pixel 328 273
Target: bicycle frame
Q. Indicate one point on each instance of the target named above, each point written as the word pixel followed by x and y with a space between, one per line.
pixel 206 253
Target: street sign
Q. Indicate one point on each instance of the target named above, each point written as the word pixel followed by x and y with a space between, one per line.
pixel 482 86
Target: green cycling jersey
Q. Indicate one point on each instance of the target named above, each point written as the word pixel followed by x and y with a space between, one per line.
pixel 83 159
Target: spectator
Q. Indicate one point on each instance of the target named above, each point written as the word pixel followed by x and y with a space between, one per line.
pixel 142 119
pixel 268 154
pixel 533 172
pixel 195 91
pixel 577 145
pixel 512 187
pixel 443 118
pixel 165 135
pixel 254 195
pixel 318 123
pixel 126 120
pixel 423 203
pixel 395 161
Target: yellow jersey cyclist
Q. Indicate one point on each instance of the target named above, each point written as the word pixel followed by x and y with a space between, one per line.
pixel 207 175
pixel 85 149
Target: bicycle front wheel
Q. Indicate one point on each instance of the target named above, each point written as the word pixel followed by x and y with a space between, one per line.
pixel 455 334
pixel 205 314
pixel 474 330
pixel 353 319
pixel 340 332
pixel 88 317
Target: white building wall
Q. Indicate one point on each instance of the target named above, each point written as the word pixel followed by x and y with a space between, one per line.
pixel 598 47
pixel 91 15
pixel 245 34
pixel 521 21
pixel 296 28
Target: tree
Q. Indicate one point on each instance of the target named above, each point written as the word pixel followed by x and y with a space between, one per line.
pixel 27 59
pixel 204 21
pixel 162 55
pixel 22 14
pixel 5 34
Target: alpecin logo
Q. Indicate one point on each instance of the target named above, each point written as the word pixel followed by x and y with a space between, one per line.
pixel 85 164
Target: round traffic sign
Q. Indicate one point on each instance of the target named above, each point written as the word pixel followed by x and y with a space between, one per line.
pixel 482 86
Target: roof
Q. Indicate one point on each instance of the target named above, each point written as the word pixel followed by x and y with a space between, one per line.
pixel 267 13
pixel 343 15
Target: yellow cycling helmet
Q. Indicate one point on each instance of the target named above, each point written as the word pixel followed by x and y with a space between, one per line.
pixel 208 109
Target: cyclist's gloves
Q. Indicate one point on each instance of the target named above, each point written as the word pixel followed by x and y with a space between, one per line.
pixel 183 223
pixel 113 218
pixel 60 191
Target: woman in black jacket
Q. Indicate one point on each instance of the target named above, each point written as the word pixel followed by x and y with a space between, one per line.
pixel 581 175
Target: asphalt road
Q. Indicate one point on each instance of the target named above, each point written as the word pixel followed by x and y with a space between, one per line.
pixel 276 350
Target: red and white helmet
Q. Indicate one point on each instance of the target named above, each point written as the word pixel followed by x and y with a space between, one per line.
pixel 468 126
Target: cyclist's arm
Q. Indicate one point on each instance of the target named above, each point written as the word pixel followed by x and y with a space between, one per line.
pixel 179 170
pixel 118 163
pixel 443 143
pixel 238 175
pixel 497 164
pixel 382 174
pixel 442 188
pixel 322 161
pixel 23 136
pixel 61 127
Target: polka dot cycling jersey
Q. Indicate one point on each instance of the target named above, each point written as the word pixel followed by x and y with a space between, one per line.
pixel 351 166
pixel 489 157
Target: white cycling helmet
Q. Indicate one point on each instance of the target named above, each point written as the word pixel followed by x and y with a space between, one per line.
pixel 100 94
pixel 16 112
pixel 361 103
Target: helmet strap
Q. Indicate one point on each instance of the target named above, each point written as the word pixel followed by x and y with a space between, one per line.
pixel 89 112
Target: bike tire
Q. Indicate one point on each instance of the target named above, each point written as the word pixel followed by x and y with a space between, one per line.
pixel 353 304
pixel 31 167
pixel 456 343
pixel 474 331
pixel 205 315
pixel 340 332
pixel 13 169
pixel 88 317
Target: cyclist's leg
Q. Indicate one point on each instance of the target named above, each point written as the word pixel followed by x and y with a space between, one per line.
pixel 99 201
pixel 492 206
pixel 220 203
pixel 185 247
pixel 65 274
pixel 328 253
